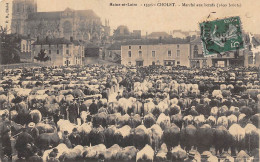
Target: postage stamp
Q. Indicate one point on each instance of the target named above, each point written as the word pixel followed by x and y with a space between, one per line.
pixel 221 35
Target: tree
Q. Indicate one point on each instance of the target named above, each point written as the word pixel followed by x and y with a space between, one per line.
pixel 42 56
pixel 9 47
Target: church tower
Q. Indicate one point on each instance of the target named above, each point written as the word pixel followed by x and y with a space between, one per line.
pixel 21 10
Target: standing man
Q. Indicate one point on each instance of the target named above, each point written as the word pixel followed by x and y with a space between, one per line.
pixel 75 138
pixel 6 145
pixel 93 109
pixel 73 112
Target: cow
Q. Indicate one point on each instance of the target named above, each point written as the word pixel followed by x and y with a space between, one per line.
pixel 147 153
pixel 204 132
pixel 222 139
pixel 238 138
pixel 188 137
pixel 171 136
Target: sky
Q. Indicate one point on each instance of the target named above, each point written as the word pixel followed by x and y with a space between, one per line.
pixel 149 19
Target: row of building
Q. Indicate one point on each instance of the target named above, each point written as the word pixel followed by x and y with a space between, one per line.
pixel 179 52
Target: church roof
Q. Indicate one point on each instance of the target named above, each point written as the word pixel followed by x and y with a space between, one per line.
pixel 89 14
pixel 157 41
pixel 54 41
pixel 44 15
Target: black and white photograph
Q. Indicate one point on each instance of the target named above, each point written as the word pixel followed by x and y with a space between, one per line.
pixel 129 80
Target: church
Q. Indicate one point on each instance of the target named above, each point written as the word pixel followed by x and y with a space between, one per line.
pixel 79 24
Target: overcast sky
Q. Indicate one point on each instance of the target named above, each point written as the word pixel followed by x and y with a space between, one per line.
pixel 150 19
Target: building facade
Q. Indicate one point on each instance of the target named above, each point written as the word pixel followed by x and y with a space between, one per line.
pixel 156 52
pixel 6 14
pixel 197 59
pixel 113 53
pixel 26 49
pixel 79 24
pixel 62 52
pixel 244 57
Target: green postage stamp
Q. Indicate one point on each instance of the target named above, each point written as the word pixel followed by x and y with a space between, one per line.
pixel 221 35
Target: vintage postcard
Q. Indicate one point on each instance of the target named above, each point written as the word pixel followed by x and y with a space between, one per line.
pixel 129 80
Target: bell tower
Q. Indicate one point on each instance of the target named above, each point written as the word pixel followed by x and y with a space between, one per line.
pixel 21 9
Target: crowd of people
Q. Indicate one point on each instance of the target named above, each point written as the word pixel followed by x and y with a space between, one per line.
pixel 118 113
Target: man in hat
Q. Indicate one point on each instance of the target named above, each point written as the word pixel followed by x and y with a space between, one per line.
pixel 204 157
pixel 93 109
pixel 66 139
pixel 99 103
pixel 75 138
pixel 63 110
pixel 32 130
pixel 6 145
pixel 23 143
pixel 35 157
pixel 73 112
pixel 53 156
pixel 191 157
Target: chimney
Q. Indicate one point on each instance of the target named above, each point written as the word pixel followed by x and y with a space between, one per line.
pixel 71 39
pixel 160 39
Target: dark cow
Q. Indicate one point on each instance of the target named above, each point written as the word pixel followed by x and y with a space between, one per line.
pixel 135 121
pixel 139 137
pixel 110 135
pixel 97 136
pixel 171 136
pixel 47 140
pixel 100 119
pixel 222 139
pixel 177 119
pixel 188 137
pixel 206 133
pixel 149 120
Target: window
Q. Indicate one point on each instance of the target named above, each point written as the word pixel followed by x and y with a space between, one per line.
pixel 58 51
pixel 140 47
pixel 129 63
pixel 67 52
pixel 49 51
pixel 129 47
pixel 195 51
pixel 169 53
pixel 153 53
pixel 178 62
pixel 178 46
pixel 67 45
pixel 250 60
pixel 129 54
pixel 140 54
pixel 27 47
pixel 178 53
pixel 23 47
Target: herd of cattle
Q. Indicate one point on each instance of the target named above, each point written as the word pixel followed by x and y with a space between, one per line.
pixel 151 114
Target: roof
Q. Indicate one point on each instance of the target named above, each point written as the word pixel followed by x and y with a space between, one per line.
pixel 55 41
pixel 158 34
pixel 115 46
pixel 45 16
pixel 90 45
pixel 157 41
pixel 89 14
pixel 196 40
